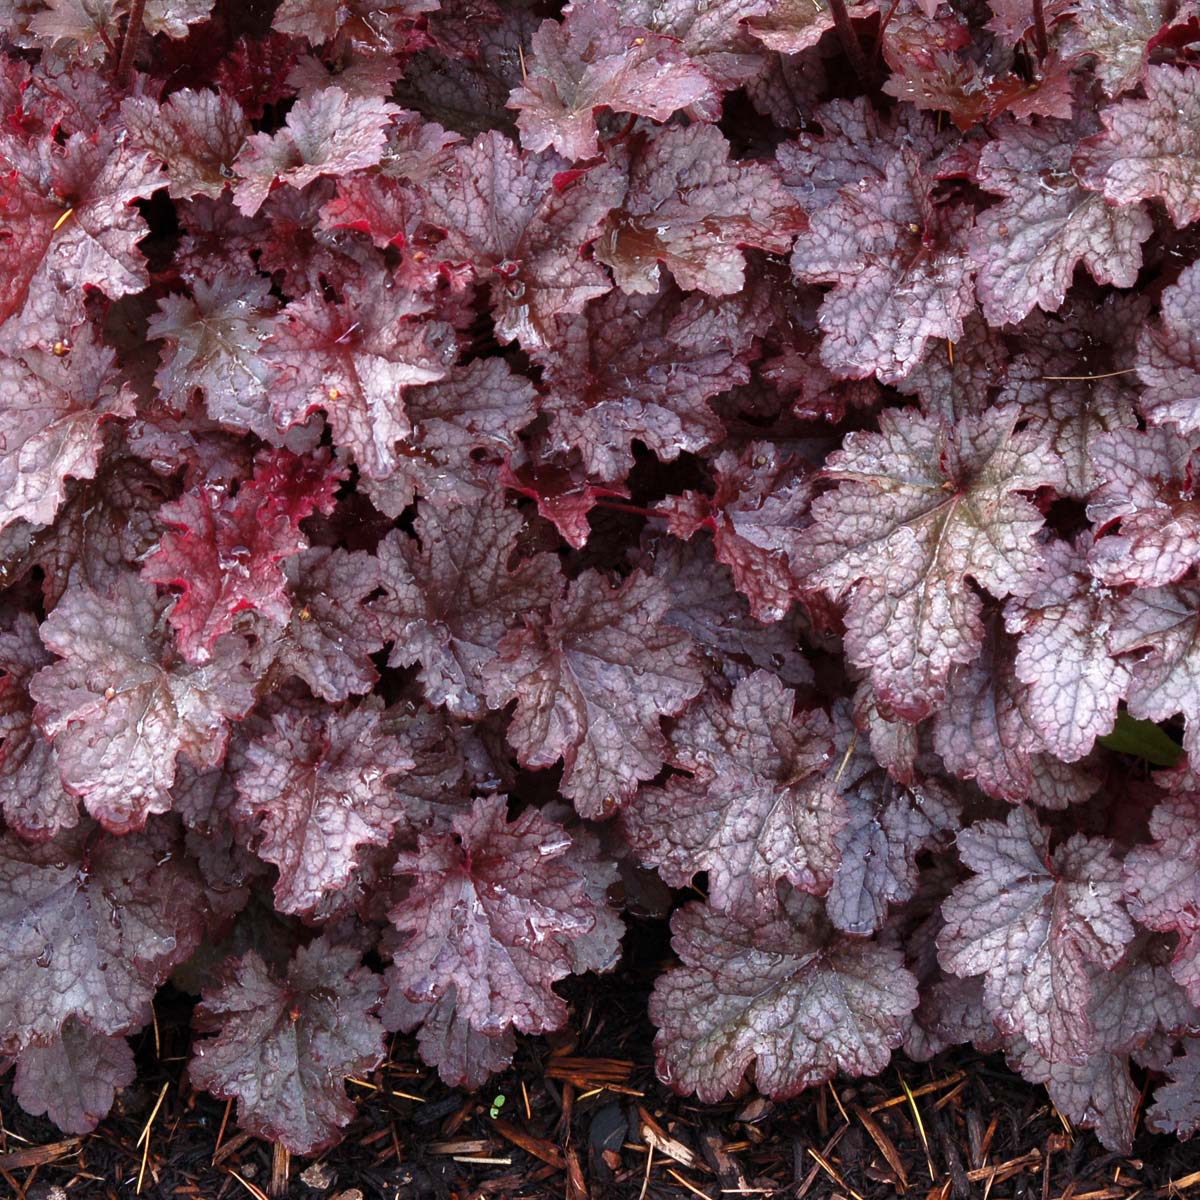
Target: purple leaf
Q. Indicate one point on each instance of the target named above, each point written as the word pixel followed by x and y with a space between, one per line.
pixel 1030 921
pixel 1073 380
pixel 642 367
pixel 793 26
pixel 1029 246
pixel 986 730
pixel 522 221
pixel 592 684
pixel 756 513
pixel 451 596
pixel 315 790
pixel 91 925
pixel 196 135
pixel 1073 682
pixel 1164 679
pixel 74 1078
pixel 783 991
pixel 691 208
pixel 1161 884
pixel 1146 147
pixel 53 410
pixel 121 706
pixel 921 508
pixel 1176 1107
pixel 899 262
pixel 214 343
pixel 282 1047
pixel 464 1057
pixel 594 59
pixel 332 634
pixel 32 797
pixel 1147 484
pixel 492 914
pixel 1168 358
pixel 1096 1094
pixel 355 360
pixel 757 805
pixel 887 825
pixel 326 133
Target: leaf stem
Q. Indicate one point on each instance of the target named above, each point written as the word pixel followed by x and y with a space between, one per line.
pixel 848 36
pixel 129 43
pixel 1039 31
pixel 887 20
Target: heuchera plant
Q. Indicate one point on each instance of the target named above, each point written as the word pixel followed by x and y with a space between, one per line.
pixel 458 459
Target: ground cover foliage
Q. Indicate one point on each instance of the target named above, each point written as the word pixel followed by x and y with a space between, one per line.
pixel 468 470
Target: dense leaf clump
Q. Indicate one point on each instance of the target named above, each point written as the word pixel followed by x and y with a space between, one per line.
pixel 460 461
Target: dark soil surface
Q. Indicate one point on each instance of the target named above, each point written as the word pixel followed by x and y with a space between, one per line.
pixel 581 1116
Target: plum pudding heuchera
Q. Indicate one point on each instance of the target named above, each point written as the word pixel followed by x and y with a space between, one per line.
pixel 456 456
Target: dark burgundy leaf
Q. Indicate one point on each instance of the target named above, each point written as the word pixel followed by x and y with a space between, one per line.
pixel 1030 922
pixel 592 684
pixel 91 926
pixel 921 508
pixel 121 706
pixel 756 806
pixel 74 1078
pixel 595 59
pixel 492 913
pixel 783 991
pixel 756 513
pixel 691 208
pixel 449 600
pixel 282 1047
